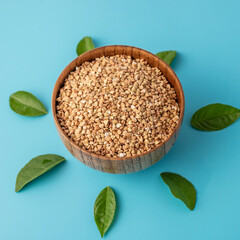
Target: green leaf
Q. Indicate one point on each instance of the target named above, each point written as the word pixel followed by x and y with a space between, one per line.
pixel 167 56
pixel 35 168
pixel 214 117
pixel 26 104
pixel 104 209
pixel 181 188
pixel 85 45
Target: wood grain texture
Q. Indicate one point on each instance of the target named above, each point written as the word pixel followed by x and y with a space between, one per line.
pixel 110 164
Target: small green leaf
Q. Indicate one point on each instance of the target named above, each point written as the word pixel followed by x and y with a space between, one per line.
pixel 35 168
pixel 181 188
pixel 85 45
pixel 214 117
pixel 167 56
pixel 104 209
pixel 26 104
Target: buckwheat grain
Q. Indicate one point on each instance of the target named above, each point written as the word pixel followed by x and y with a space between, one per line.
pixel 117 106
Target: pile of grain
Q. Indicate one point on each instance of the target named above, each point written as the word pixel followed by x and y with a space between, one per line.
pixel 117 106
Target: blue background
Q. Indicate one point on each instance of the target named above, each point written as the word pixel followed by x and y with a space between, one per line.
pixel 38 39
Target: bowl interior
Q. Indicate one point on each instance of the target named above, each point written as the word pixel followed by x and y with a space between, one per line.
pixel 134 52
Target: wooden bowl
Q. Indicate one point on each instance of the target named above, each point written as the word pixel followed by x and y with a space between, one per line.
pixel 127 164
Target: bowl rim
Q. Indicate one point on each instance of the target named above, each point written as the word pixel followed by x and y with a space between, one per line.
pixel 56 90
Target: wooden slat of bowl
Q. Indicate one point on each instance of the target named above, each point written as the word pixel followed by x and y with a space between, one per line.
pixel 120 165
